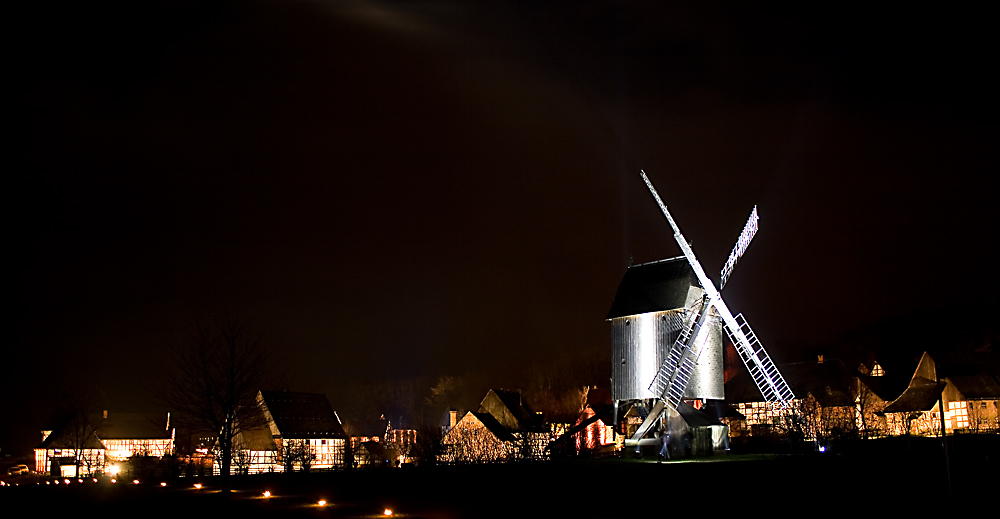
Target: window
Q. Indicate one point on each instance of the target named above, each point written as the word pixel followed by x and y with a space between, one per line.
pixel 959 412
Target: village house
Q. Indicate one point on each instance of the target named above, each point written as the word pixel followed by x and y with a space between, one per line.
pixel 826 404
pixel 504 428
pixel 298 432
pixel 86 447
pixel 970 402
pixel 380 443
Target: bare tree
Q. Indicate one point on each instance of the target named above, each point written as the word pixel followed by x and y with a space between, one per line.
pixel 217 371
pixel 296 453
pixel 79 415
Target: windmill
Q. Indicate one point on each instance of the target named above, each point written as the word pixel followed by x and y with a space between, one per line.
pixel 694 325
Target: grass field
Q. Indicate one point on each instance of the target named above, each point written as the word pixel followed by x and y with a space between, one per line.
pixel 871 476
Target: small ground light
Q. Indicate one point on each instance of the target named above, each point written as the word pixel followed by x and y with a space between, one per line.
pixel 197 485
pixel 113 480
pixel 95 480
pixel 267 493
pixel 387 512
pixel 67 481
pixel 163 483
pixel 79 481
pixel 135 481
pixel 321 502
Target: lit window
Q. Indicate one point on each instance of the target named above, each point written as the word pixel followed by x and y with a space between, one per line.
pixel 960 412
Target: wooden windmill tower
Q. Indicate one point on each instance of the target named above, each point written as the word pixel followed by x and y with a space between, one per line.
pixel 667 322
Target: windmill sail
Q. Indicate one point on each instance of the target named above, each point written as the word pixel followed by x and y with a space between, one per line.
pixel 770 382
pixel 749 230
pixel 675 371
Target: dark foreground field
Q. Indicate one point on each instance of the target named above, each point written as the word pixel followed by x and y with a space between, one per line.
pixel 886 476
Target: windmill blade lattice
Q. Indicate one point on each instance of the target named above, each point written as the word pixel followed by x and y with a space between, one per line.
pixel 770 382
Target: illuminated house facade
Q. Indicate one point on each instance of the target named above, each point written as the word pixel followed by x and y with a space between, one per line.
pixel 125 435
pixel 503 429
pixel 70 453
pixel 86 449
pixel 306 431
pixel 593 432
pixel 378 443
pixel 254 451
pixel 836 404
pixel 296 432
pixel 970 403
pixel 826 407
pixel 975 403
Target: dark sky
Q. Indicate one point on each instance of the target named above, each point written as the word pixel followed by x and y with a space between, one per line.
pixel 408 189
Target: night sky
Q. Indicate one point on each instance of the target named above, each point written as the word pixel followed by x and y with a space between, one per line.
pixel 396 189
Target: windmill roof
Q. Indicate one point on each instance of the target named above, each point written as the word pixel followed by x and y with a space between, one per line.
pixel 653 287
pixel 302 415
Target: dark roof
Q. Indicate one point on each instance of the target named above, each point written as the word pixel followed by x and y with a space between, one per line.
pixel 695 417
pixel 366 428
pixel 376 450
pixel 599 396
pixel 62 439
pixel 497 401
pixel 258 437
pixel 885 388
pixel 494 426
pixel 302 415
pixel 920 396
pixel 719 410
pixel 977 386
pixel 134 426
pixel 654 287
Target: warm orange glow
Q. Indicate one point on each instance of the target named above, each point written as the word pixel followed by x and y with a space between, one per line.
pixel 95 480
pixel 135 481
pixel 113 480
pixel 197 485
pixel 163 483
pixel 121 450
pixel 322 502
pixel 114 469
pixel 267 493
pixel 387 512
pixel 67 481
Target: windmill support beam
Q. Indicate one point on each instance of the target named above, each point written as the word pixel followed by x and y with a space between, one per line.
pixel 654 415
